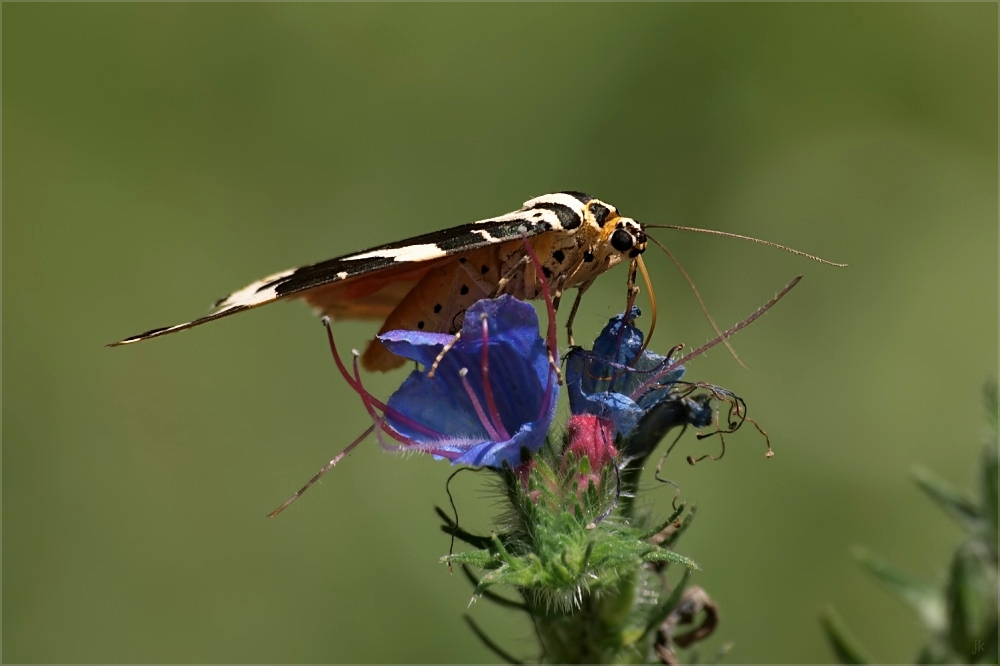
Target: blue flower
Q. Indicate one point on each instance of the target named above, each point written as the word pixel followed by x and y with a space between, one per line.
pixel 617 382
pixel 492 395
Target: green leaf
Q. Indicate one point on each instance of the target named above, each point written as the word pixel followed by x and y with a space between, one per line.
pixel 845 645
pixel 663 525
pixel 666 606
pixel 989 476
pixel 919 596
pixel 972 598
pixel 451 528
pixel 489 643
pixel 988 463
pixel 956 503
pixel 990 400
pixel 664 555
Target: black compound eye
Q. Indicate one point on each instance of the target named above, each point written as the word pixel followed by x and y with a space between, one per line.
pixel 621 240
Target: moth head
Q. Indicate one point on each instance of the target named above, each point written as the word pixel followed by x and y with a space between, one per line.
pixel 623 234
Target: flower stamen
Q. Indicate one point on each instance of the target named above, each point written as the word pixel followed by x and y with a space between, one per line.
pixel 491 405
pixel 478 407
pixel 370 402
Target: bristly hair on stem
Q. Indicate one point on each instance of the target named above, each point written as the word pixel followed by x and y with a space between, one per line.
pixel 592 571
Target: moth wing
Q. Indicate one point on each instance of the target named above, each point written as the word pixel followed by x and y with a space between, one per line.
pixel 374 294
pixel 369 284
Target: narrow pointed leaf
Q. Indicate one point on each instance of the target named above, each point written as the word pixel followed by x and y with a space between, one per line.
pixel 972 598
pixel 956 503
pixel 919 596
pixel 845 645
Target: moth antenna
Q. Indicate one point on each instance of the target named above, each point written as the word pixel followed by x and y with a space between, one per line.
pixel 652 296
pixel 701 301
pixel 721 337
pixel 652 306
pixel 768 243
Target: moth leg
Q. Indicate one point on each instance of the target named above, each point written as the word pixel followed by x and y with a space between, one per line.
pixel 469 268
pixel 514 271
pixel 576 306
pixel 631 290
pixel 557 291
pixel 521 267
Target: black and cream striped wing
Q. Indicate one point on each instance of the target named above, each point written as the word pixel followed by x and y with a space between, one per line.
pixel 372 273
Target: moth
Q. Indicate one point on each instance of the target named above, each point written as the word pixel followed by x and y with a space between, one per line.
pixel 427 282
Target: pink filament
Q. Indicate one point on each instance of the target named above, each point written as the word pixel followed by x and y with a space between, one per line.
pixel 372 404
pixel 494 413
pixel 480 412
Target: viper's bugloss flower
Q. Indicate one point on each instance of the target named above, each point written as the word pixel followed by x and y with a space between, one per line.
pixel 614 380
pixel 492 395
pixel 589 567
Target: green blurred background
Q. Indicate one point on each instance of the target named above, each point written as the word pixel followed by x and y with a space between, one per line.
pixel 159 156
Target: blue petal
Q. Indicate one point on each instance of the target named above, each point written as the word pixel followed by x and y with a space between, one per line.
pixel 604 381
pixel 519 376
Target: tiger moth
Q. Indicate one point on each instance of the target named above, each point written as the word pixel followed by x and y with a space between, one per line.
pixel 427 282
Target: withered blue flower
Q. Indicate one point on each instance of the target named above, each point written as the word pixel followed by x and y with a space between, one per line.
pixel 618 379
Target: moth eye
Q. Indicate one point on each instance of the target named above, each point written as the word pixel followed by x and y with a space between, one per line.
pixel 621 240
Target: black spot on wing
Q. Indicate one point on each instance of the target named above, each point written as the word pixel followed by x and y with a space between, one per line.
pixel 568 218
pixel 600 213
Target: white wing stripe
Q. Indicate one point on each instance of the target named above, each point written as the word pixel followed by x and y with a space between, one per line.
pixel 251 294
pixel 424 252
pixel 567 200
